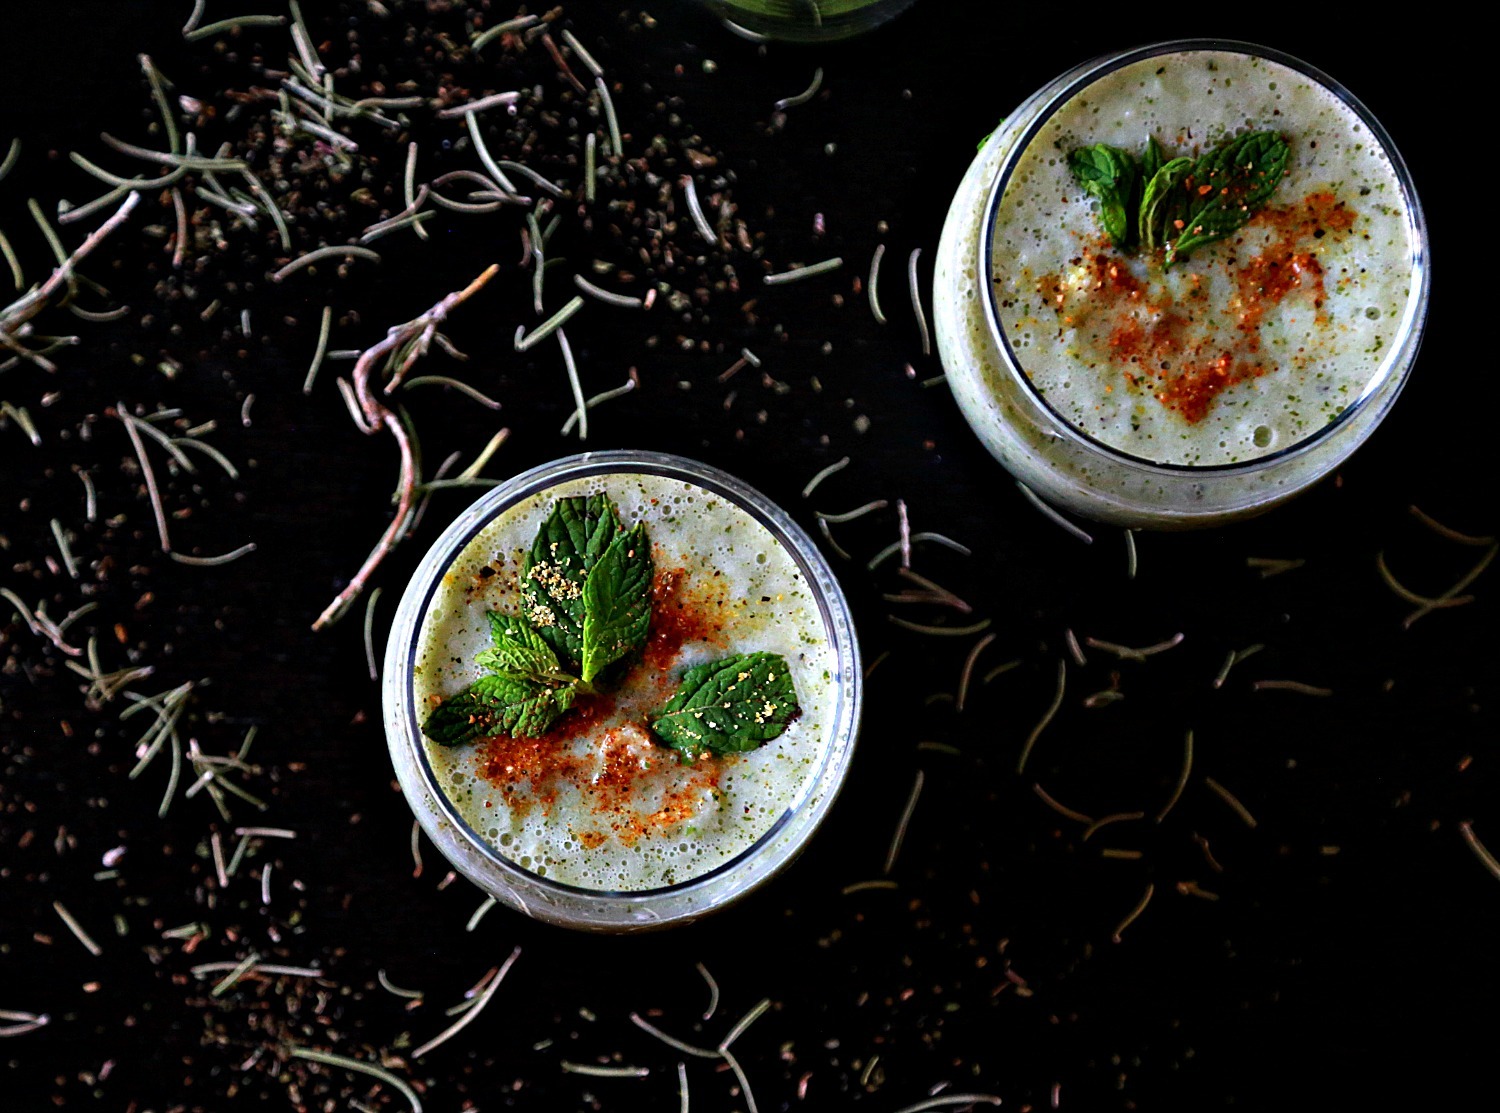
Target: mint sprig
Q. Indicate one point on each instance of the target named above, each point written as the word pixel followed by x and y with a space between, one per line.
pixel 1112 176
pixel 728 706
pixel 1180 204
pixel 586 586
pixel 500 703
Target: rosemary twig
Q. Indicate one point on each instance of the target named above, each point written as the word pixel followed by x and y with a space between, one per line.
pixel 377 415
pixel 24 308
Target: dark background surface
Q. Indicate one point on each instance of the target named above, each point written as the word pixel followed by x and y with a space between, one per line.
pixel 1349 958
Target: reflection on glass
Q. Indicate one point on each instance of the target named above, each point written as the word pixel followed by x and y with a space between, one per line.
pixel 805 20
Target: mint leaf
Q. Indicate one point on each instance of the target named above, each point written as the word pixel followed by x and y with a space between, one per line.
pixel 567 546
pixel 1227 187
pixel 1153 160
pixel 1111 175
pixel 497 705
pixel 1164 202
pixel 617 601
pixel 519 651
pixel 728 706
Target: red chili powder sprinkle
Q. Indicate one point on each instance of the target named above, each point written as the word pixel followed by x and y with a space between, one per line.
pixel 529 771
pixel 1174 351
pixel 677 618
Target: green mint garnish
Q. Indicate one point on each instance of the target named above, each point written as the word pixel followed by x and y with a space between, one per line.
pixel 728 706
pixel 617 601
pixel 587 592
pixel 586 585
pixel 520 651
pixel 498 704
pixel 1164 202
pixel 1227 187
pixel 1182 203
pixel 567 546
pixel 1112 176
pixel 1153 160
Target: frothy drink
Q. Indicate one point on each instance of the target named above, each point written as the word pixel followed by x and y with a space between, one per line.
pixel 1254 347
pixel 596 802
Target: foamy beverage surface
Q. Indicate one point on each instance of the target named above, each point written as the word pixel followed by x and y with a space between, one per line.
pixel 596 802
pixel 1246 346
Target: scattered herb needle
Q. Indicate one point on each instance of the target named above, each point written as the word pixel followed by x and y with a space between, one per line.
pixel 671 1041
pixel 803 97
pixel 1451 596
pixel 1273 566
pixel 939 631
pixel 873 286
pixel 1232 800
pixel 345 251
pixel 713 991
pixel 1233 658
pixel 414 336
pixel 1480 850
pixel 1128 653
pixel 803 272
pixel 77 929
pixel 495 978
pixel 1105 821
pixel 916 300
pixel 19 1023
pixel 1036 731
pixel 378 1073
pixel 744 1022
pixel 1134 913
pixel 1061 809
pixel 865 886
pixel 968 670
pixel 906 813
pixel 744 1081
pixel 604 1072
pixel 1037 501
pixel 1182 778
pixel 1447 532
pixel 812 484
pixel 949 1101
pixel 1290 686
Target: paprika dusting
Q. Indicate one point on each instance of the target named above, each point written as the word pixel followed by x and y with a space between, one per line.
pixel 632 786
pixel 1185 340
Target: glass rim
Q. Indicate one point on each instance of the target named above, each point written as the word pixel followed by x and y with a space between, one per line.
pixel 819 789
pixel 1402 351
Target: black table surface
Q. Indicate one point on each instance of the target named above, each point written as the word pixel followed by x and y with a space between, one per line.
pixel 1341 949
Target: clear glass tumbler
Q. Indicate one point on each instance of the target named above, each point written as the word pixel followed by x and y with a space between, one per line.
pixel 480 855
pixel 995 376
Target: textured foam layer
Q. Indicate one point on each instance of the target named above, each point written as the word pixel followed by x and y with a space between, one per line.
pixel 1252 344
pixel 616 811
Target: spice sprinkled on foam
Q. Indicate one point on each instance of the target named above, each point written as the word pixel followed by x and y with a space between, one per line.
pixel 656 682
